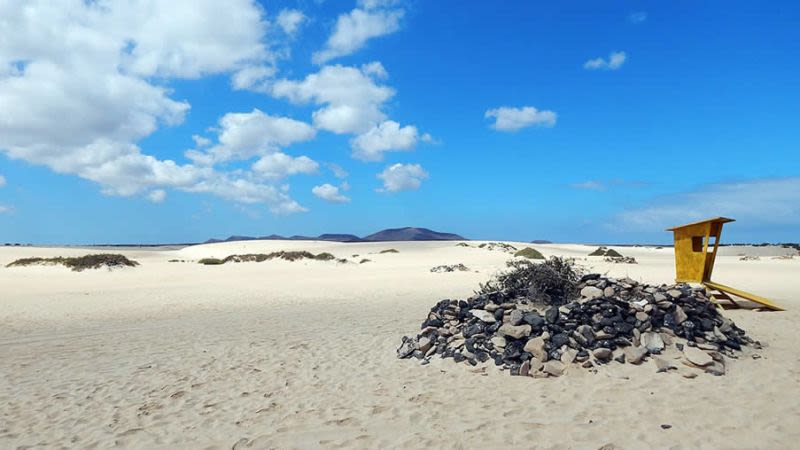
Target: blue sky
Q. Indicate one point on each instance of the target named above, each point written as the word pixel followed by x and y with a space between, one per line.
pixel 580 122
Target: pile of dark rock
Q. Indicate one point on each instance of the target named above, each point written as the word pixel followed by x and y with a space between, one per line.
pixel 450 268
pixel 609 321
pixel 620 259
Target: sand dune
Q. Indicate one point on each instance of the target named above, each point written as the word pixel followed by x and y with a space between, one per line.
pixel 300 354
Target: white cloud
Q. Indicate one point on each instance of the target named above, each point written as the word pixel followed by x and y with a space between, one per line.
pixel 253 77
pixel 5 209
pixel 758 202
pixel 157 196
pixel 201 141
pixel 373 4
pixel 2 181
pixel 512 119
pixel 637 17
pixel 337 170
pixel 329 193
pixel 614 62
pixel 354 29
pixel 350 97
pixel 290 20
pixel 246 191
pixel 590 186
pixel 83 82
pixel 280 165
pixel 376 69
pixel 402 177
pixel 387 136
pixel 242 136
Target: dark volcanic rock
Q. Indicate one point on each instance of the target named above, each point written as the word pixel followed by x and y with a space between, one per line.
pixel 630 323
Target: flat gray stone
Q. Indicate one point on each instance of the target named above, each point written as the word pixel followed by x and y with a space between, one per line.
pixel 591 293
pixel 679 315
pixel 635 355
pixel 569 356
pixel 553 367
pixel 652 341
pixel 498 341
pixel 674 293
pixel 483 316
pixel 516 332
pixel 424 344
pixel 535 347
pixel 602 354
pixel 697 357
pixel 514 318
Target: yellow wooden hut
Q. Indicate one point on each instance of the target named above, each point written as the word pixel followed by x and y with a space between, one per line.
pixel 696 247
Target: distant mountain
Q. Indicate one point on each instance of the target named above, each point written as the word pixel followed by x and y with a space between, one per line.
pixel 232 239
pixel 412 234
pixel 339 237
pixel 541 241
pixel 393 234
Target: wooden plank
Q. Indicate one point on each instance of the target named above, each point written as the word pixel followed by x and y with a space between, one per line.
pixel 713 219
pixel 746 295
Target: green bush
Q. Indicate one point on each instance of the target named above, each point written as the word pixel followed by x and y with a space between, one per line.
pixel 211 261
pixel 365 260
pixel 79 263
pixel 391 250
pixel 552 282
pixel 530 253
pixel 601 251
pixel 613 253
pixel 260 257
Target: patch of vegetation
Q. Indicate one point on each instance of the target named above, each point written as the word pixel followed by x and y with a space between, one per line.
pixel 365 260
pixel 502 246
pixel 261 257
pixel 604 251
pixel 391 250
pixel 79 263
pixel 530 253
pixel 552 282
pixel 177 260
pixel 463 244
pixel 211 261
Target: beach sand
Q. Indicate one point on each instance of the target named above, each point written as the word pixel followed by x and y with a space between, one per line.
pixel 301 354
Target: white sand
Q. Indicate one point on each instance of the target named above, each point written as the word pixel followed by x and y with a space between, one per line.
pixel 302 355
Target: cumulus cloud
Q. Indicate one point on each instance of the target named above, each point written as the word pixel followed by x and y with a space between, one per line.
pixel 280 165
pixel 637 17
pixel 243 136
pixel 351 99
pixel 329 193
pixel 590 185
pixel 354 29
pixel 88 81
pixel 337 170
pixel 387 136
pixel 402 177
pixel 615 61
pixel 157 196
pixel 512 119
pixel 290 20
pixel 760 202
